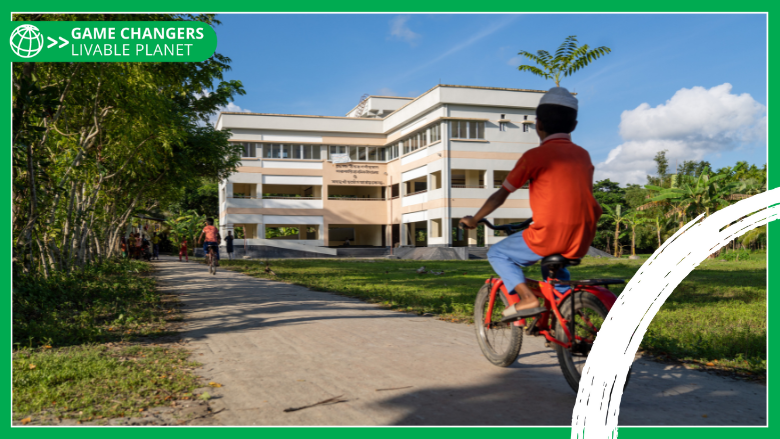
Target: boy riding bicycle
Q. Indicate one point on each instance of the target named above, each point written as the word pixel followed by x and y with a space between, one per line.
pixel 561 196
pixel 212 238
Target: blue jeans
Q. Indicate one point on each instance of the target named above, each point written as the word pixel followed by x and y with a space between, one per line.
pixel 156 248
pixel 206 245
pixel 510 254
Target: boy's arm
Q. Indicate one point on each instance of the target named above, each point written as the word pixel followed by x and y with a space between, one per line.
pixel 492 203
pixel 200 238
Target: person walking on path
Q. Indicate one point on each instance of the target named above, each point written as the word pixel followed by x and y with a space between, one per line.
pixel 124 248
pixel 229 244
pixel 183 251
pixel 156 246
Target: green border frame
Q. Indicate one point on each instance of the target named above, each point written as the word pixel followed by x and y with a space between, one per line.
pixel 773 154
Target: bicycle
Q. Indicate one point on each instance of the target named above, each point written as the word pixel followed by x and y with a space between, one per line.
pixel 211 259
pixel 501 339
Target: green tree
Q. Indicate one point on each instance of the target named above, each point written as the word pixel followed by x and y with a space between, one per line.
pixel 636 195
pixel 568 59
pixel 662 167
pixel 618 217
pixel 95 143
pixel 203 198
pixel 634 220
pixel 704 195
pixel 607 193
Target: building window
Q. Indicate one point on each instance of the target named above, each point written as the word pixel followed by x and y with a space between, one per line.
pixel 462 129
pixel 502 126
pixel 338 150
pixel 435 133
pixel 291 152
pixel 272 151
pixel 249 151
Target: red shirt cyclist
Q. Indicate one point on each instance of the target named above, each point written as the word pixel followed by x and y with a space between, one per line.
pixel 212 237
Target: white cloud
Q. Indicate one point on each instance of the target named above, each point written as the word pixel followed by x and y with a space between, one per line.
pixel 399 30
pixel 230 107
pixel 695 123
pixel 515 61
pixel 386 91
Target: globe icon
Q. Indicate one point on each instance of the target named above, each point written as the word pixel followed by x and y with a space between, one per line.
pixel 26 41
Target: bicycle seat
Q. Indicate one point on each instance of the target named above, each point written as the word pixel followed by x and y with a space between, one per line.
pixel 560 261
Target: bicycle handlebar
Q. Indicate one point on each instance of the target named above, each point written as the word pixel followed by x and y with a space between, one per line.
pixel 506 227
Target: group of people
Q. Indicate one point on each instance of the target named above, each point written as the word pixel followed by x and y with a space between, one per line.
pixel 137 246
pixel 209 236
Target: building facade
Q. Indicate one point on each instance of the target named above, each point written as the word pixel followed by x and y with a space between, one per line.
pixel 392 172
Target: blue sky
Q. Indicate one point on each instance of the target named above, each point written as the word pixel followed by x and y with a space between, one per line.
pixel 322 64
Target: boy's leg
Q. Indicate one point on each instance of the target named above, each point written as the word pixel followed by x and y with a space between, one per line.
pixel 505 257
pixel 562 274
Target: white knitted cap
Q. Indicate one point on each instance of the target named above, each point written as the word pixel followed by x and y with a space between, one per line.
pixel 559 96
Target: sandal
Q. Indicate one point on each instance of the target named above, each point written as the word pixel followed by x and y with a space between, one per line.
pixel 511 314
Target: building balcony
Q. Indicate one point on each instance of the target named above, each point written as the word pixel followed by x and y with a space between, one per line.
pixel 355 199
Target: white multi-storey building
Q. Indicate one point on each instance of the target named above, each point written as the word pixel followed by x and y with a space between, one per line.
pixel 392 172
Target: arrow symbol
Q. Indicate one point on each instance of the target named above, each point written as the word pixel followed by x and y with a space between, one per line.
pixel 64 42
pixel 53 42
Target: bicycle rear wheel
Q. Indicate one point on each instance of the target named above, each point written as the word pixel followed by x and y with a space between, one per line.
pixel 500 342
pixel 590 313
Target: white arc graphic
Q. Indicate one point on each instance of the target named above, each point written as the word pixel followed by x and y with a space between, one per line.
pixel 601 387
pixel 53 42
pixel 64 42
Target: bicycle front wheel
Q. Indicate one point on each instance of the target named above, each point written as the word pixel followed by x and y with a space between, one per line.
pixel 500 342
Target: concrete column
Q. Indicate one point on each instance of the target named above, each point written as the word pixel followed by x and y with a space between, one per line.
pixel 260 232
pixel 446 182
pixel 229 189
pixel 489 179
pixel 323 233
pixel 389 235
pixel 302 232
pixel 404 234
pixel 472 238
pixel 434 228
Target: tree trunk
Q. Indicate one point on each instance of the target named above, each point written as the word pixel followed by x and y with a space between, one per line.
pixel 617 237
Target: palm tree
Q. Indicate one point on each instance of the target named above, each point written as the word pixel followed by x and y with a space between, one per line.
pixel 633 220
pixel 618 217
pixel 568 59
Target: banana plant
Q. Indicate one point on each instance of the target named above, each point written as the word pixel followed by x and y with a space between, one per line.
pixel 618 216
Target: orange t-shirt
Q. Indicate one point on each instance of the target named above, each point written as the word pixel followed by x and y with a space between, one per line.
pixel 211 233
pixel 565 212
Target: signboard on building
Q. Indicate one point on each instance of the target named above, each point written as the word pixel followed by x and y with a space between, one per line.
pixel 340 158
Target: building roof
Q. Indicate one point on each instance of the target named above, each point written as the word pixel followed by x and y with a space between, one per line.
pixel 411 100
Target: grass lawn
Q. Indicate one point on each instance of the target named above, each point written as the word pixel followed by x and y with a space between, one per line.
pixel 715 318
pixel 97 381
pixel 83 344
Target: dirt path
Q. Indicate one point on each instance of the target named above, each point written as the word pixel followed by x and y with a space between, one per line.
pixel 275 346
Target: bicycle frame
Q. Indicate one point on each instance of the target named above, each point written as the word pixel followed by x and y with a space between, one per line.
pixel 552 300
